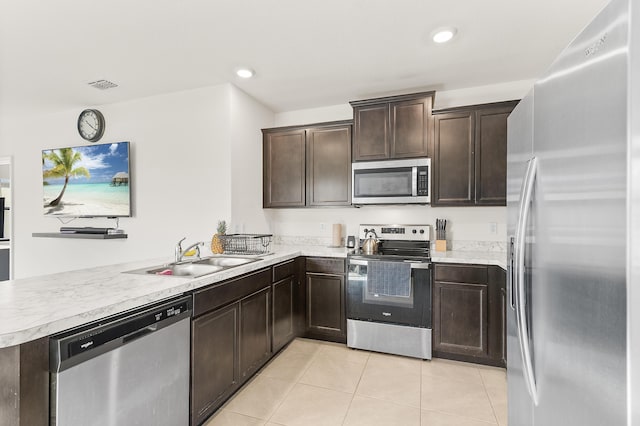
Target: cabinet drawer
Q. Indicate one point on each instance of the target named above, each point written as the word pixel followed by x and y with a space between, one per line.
pixel 325 265
pixel 228 291
pixel 283 270
pixel 460 273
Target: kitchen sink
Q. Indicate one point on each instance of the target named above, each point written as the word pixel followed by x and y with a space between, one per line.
pixel 196 268
pixel 185 270
pixel 225 261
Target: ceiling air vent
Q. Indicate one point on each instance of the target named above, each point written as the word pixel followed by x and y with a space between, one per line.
pixel 102 84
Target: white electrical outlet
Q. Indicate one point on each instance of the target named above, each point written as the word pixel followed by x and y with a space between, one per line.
pixel 323 226
pixel 493 228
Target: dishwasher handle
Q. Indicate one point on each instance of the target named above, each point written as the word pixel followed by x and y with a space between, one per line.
pixel 80 344
pixel 140 333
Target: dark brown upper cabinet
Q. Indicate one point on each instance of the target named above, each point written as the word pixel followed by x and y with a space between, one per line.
pixel 392 127
pixel 284 168
pixel 470 155
pixel 307 166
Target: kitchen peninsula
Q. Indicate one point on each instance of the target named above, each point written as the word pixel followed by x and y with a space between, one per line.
pixel 31 309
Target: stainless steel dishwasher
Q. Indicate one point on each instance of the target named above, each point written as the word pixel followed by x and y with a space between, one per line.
pixel 130 369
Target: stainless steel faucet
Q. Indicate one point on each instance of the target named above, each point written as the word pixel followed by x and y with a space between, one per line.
pixel 179 253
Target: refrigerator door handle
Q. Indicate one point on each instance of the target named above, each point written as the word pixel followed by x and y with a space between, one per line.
pixel 519 268
pixel 512 271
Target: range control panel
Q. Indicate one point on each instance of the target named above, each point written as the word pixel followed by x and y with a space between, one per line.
pixel 396 232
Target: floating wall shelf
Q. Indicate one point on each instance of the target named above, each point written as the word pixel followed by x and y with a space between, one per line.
pixel 85 236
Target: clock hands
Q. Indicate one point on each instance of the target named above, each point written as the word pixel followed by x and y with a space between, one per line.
pixel 88 124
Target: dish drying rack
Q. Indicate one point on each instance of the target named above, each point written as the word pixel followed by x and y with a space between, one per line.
pixel 246 243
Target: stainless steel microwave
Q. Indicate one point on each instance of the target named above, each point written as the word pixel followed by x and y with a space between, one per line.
pixel 391 182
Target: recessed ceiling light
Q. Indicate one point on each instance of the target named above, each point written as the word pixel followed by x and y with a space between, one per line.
pixel 443 35
pixel 245 72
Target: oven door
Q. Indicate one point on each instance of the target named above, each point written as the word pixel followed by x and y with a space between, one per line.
pixel 396 292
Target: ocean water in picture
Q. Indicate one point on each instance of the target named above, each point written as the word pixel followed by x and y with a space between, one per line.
pixel 87 181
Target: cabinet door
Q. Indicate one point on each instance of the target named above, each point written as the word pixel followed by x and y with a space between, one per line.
pixel 410 128
pixel 491 156
pixel 453 165
pixel 284 169
pixel 497 315
pixel 461 311
pixel 329 166
pixel 255 336
pixel 214 354
pixel 460 318
pixel 371 132
pixel 326 316
pixel 283 312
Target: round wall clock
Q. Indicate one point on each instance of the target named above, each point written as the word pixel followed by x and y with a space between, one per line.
pixel 91 125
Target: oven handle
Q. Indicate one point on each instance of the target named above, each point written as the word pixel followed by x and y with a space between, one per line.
pixel 414 265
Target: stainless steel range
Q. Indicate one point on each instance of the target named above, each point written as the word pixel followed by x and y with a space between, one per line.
pixel 389 291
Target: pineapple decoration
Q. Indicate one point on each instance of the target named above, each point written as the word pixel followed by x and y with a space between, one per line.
pixel 216 241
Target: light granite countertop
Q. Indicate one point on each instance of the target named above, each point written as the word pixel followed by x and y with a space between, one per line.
pixel 35 307
pixel 497 258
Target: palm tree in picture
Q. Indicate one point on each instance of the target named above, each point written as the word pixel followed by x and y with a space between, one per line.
pixel 63 162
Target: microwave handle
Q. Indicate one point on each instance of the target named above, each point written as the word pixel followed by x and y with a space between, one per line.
pixel 414 181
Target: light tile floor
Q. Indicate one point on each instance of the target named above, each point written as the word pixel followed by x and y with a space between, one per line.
pixel 315 383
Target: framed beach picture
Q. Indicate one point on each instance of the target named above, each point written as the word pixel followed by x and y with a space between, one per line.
pixel 87 181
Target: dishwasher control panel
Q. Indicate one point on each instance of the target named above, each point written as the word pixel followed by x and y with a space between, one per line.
pixel 116 330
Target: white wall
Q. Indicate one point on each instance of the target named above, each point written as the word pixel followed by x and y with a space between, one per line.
pixel 483 94
pixel 465 223
pixel 181 176
pixel 247 119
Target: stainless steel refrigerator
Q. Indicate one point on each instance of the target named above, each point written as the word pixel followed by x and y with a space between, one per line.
pixel 573 214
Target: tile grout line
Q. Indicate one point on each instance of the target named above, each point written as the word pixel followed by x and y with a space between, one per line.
pixel 484 387
pixel 295 382
pixel 356 389
pixel 463 381
pixel 421 379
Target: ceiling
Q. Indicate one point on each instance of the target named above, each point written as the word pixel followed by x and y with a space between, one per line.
pixel 306 53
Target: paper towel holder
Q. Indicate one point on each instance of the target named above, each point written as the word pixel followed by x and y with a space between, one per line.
pixel 336 240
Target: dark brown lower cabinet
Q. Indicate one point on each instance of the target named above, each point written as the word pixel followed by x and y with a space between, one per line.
pixel 255 334
pixel 287 302
pixel 468 313
pixel 498 278
pixel 214 360
pixel 283 312
pixel 24 384
pixel 326 309
pixel 230 339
